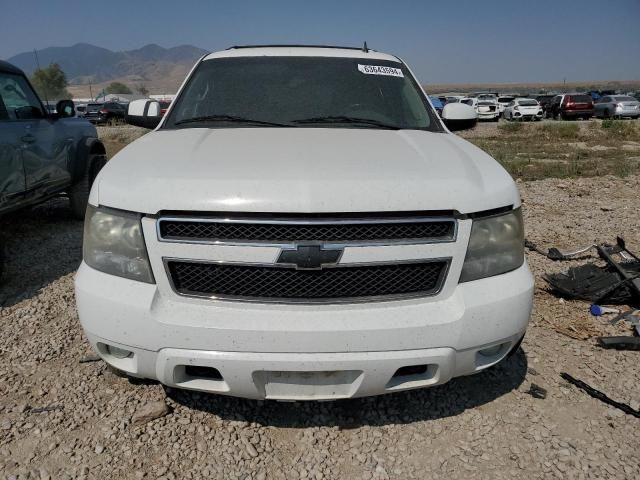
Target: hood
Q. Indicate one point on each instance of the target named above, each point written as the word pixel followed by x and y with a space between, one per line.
pixel 302 170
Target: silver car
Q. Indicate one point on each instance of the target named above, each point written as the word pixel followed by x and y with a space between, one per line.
pixel 616 106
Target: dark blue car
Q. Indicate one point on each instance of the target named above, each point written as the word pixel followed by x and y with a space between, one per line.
pixel 437 104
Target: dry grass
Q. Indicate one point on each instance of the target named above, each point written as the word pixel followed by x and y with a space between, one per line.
pixel 620 129
pixel 559 131
pixel 116 138
pixel 564 149
pixel 510 127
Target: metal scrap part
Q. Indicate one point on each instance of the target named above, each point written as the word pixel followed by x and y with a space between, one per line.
pixel 597 394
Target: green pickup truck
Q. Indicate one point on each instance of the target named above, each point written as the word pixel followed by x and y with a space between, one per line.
pixel 42 155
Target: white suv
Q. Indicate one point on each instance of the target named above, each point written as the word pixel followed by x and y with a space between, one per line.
pixel 301 225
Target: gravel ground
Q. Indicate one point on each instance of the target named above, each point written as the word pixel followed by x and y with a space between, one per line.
pixel 97 424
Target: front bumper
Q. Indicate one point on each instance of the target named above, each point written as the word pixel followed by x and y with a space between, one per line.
pixel 303 352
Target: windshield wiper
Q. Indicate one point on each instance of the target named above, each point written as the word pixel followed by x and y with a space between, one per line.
pixel 347 119
pixel 228 118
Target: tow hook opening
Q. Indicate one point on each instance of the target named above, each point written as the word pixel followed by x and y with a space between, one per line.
pixel 203 373
pixel 412 376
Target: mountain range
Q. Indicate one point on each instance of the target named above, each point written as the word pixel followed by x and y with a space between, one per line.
pixel 156 67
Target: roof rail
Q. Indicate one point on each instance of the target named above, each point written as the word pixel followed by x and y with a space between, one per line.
pixel 365 49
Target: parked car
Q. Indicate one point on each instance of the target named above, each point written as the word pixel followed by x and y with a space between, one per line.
pixel 503 101
pixel 545 102
pixel 523 109
pixel 343 244
pixel 109 113
pixel 42 155
pixel 437 104
pixel 571 106
pixel 164 106
pixel 486 105
pixel 617 106
pixel 81 108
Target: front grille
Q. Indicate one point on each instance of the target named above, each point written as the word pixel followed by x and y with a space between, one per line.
pixel 404 230
pixel 286 284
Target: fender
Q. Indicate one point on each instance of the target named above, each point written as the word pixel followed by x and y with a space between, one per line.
pixel 85 147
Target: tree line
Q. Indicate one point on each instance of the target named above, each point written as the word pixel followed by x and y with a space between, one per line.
pixel 51 84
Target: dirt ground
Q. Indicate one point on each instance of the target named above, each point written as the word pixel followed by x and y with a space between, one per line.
pixel 485 426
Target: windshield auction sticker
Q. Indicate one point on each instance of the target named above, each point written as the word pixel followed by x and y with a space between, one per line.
pixel 380 70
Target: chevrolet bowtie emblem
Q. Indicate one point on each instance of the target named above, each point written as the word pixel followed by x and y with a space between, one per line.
pixel 309 257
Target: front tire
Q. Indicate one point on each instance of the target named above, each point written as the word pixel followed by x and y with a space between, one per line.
pixel 79 191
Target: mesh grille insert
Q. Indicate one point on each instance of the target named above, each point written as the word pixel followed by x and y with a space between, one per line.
pixel 288 284
pixel 317 232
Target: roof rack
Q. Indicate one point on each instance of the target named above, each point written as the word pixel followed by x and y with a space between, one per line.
pixel 365 49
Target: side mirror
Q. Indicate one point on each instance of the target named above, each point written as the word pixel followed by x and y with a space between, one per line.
pixel 144 113
pixel 65 109
pixel 459 116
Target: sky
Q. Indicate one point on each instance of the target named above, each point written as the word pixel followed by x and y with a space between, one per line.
pixel 454 41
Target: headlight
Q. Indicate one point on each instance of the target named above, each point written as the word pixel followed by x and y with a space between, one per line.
pixel 496 246
pixel 113 243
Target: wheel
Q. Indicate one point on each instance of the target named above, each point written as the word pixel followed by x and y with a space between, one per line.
pixel 606 114
pixel 112 122
pixel 79 191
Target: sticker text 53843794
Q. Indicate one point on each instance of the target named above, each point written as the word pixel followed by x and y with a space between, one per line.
pixel 380 70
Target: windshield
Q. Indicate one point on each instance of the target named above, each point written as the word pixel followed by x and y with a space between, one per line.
pixel 326 92
pixel 581 98
pixel 624 98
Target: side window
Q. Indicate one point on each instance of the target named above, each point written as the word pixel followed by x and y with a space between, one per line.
pixel 605 99
pixel 20 101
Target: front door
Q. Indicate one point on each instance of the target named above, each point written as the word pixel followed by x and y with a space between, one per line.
pixel 12 178
pixel 44 148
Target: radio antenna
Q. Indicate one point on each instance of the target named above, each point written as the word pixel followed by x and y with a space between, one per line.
pixel 44 92
pixel 365 49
